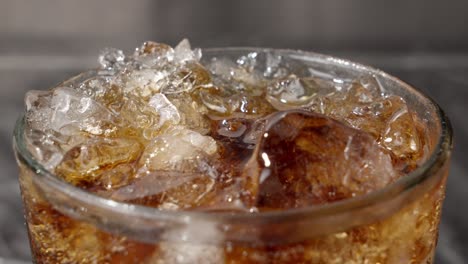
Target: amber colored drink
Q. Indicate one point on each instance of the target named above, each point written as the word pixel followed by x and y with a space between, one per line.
pixel 235 155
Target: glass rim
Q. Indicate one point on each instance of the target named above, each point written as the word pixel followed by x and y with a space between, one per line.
pixel 407 182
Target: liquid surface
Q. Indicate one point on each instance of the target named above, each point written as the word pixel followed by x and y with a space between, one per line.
pixel 163 128
pixel 166 128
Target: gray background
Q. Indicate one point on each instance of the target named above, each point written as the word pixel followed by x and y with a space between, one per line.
pixel 425 43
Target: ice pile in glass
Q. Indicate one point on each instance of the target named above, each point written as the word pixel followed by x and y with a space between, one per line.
pixel 161 128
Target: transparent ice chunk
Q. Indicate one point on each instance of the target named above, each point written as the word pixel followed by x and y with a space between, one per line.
pixel 38 109
pixel 154 49
pixel 183 52
pixel 111 59
pixel 176 170
pixel 45 148
pixel 187 78
pixel 153 55
pixel 193 114
pixel 167 111
pixel 215 101
pixel 305 158
pixel 364 105
pixel 289 92
pixel 400 134
pixel 170 190
pixel 273 66
pixel 117 177
pixel 179 149
pixel 87 162
pixel 236 76
pixel 146 82
pixel 187 253
pixel 72 112
pixel 153 183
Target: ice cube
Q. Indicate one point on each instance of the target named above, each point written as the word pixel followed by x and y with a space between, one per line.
pixel 138 117
pixel 111 59
pixel 187 78
pixel 363 91
pixel 400 134
pixel 179 149
pixel 193 114
pixel 34 99
pixel 112 98
pixel 86 163
pixel 185 193
pixel 177 170
pixel 44 147
pixel 305 158
pixel 153 55
pixel 149 184
pixel 208 251
pixel 372 84
pixel 214 100
pixel 94 87
pixel 349 104
pixel 252 106
pixel 167 111
pixel 196 74
pixel 146 82
pixel 205 143
pixel 290 92
pixel 184 53
pixel 228 72
pixel 116 177
pixel 67 111
pixel 188 253
pixel 38 110
pixel 363 105
pixel 388 119
pixel 222 67
pixel 273 67
pixel 154 49
pixel 241 105
pixel 72 112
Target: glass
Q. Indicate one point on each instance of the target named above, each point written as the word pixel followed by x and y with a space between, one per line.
pixel 396 224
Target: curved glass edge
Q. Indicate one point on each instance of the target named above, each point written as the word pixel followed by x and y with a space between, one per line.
pixel 433 164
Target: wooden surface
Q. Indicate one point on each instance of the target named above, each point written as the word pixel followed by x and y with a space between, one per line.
pixel 444 77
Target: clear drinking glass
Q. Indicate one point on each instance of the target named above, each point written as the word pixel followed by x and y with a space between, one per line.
pixel 396 224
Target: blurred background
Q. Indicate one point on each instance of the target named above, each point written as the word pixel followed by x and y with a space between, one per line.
pixel 424 42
